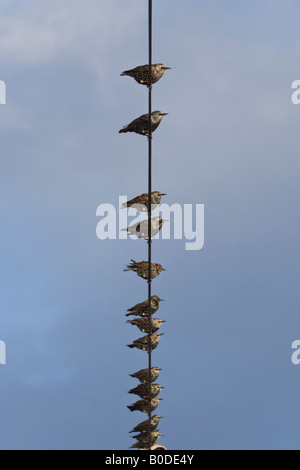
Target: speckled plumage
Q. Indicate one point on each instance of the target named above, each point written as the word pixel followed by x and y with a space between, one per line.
pixel 143 405
pixel 141 309
pixel 143 439
pixel 143 324
pixel 144 426
pixel 142 390
pixel 141 124
pixel 141 73
pixel 142 269
pixel 143 343
pixel 143 374
pixel 140 203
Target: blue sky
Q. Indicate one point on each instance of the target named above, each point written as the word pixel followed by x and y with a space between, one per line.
pixel 230 142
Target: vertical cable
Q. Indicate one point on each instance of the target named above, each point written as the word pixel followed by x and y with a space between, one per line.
pixel 149 215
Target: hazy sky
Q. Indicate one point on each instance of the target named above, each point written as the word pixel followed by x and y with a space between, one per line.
pixel 230 142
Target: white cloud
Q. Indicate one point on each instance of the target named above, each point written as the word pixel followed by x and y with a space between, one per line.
pixel 37 33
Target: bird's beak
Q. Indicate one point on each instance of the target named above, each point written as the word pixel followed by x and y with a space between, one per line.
pixel 168 68
pixel 164 114
pixel 162 300
pixel 163 269
pixel 163 194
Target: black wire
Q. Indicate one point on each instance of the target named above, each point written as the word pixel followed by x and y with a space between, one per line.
pixel 149 217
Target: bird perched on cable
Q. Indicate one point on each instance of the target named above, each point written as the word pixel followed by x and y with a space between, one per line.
pixel 142 390
pixel 142 269
pixel 140 446
pixel 143 343
pixel 140 203
pixel 143 440
pixel 144 426
pixel 142 309
pixel 143 324
pixel 143 374
pixel 143 437
pixel 141 124
pixel 140 229
pixel 141 73
pixel 144 406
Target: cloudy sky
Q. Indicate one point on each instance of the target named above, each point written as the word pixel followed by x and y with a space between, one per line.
pixel 231 142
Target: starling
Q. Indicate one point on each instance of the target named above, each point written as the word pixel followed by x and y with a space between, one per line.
pixel 144 426
pixel 142 309
pixel 143 437
pixel 140 229
pixel 140 203
pixel 143 405
pixel 142 390
pixel 143 374
pixel 141 124
pixel 141 73
pixel 143 324
pixel 143 343
pixel 142 269
pixel 140 446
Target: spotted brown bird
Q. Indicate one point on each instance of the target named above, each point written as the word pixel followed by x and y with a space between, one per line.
pixel 142 390
pixel 142 309
pixel 144 426
pixel 142 269
pixel 140 203
pixel 143 324
pixel 141 73
pixel 140 229
pixel 143 405
pixel 143 343
pixel 140 446
pixel 141 124
pixel 143 437
pixel 143 374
